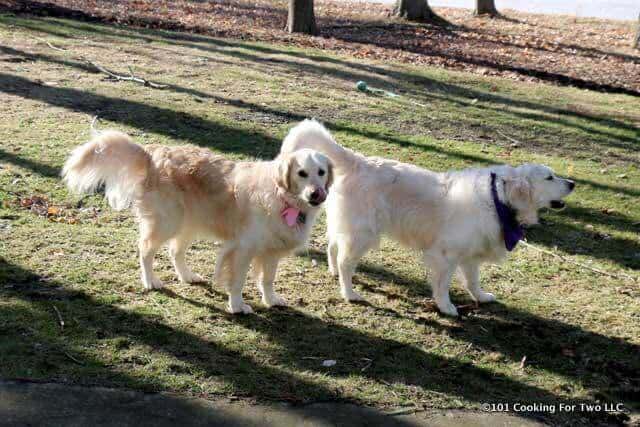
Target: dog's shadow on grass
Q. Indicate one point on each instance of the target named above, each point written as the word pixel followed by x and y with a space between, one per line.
pixel 27 323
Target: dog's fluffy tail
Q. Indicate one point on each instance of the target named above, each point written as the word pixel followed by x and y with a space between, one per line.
pixel 311 134
pixel 111 159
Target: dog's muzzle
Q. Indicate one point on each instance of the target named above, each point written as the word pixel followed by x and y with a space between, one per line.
pixel 317 197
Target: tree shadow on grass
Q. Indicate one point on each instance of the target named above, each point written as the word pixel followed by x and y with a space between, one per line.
pixel 149 118
pixel 619 141
pixel 33 345
pixel 603 216
pixel 34 166
pixel 227 139
pixel 430 90
pixel 398 42
pixel 299 334
pixel 578 240
pixel 396 362
pixel 349 33
pixel 608 366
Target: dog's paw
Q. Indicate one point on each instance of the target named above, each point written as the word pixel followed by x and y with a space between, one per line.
pixel 483 297
pixel 352 296
pixel 240 308
pixel 333 272
pixel 191 277
pixel 273 300
pixel 448 309
pixel 154 283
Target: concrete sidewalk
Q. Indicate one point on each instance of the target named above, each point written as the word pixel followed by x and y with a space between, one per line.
pixel 36 404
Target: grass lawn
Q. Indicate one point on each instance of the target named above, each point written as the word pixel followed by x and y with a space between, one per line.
pixel 76 260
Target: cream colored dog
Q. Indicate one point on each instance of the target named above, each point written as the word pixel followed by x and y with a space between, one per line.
pixel 260 210
pixel 456 219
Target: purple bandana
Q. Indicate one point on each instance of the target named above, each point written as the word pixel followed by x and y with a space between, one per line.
pixel 511 230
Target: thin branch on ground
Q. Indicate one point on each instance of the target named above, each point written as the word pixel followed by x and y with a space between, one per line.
pixel 515 141
pixel 50 45
pixel 620 276
pixel 129 78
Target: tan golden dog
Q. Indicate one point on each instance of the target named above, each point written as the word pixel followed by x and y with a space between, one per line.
pixel 260 210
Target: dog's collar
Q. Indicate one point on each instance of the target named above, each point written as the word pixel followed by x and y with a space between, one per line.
pixel 512 231
pixel 292 216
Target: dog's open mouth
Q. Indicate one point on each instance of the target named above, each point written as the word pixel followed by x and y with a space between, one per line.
pixel 314 203
pixel 557 204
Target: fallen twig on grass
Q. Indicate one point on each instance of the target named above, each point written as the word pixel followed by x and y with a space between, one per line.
pixel 515 141
pixel 50 45
pixel 579 264
pixel 100 68
pixel 129 78
pixel 59 317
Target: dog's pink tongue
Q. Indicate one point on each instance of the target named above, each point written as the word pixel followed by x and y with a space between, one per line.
pixel 290 216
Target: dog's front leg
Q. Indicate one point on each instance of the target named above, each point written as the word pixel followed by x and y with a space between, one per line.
pixel 231 270
pixel 268 265
pixel 471 272
pixel 442 271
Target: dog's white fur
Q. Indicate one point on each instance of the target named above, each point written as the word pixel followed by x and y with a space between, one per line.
pixel 182 193
pixel 450 217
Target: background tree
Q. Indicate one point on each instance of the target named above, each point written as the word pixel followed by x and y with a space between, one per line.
pixel 486 7
pixel 301 17
pixel 414 10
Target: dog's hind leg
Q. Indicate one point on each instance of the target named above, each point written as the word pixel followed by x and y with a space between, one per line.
pixel 177 250
pixel 268 266
pixel 471 273
pixel 149 245
pixel 442 271
pixel 349 253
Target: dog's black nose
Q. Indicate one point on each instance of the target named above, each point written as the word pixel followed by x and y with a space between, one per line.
pixel 572 185
pixel 318 195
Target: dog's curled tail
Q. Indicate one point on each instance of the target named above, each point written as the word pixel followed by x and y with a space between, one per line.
pixel 110 158
pixel 311 134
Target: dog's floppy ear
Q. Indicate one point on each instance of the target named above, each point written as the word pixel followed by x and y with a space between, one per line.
pixel 518 189
pixel 284 168
pixel 329 175
pixel 519 194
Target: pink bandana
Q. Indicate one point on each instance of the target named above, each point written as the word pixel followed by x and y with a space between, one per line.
pixel 290 215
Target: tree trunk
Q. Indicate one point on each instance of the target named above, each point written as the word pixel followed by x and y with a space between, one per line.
pixel 414 10
pixel 301 18
pixel 485 7
pixel 636 40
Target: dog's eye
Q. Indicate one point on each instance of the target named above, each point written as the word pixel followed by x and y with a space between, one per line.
pixel 303 174
pixel 549 178
pixel 321 172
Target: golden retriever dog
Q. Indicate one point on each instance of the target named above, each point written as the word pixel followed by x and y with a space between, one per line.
pixel 260 210
pixel 455 219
